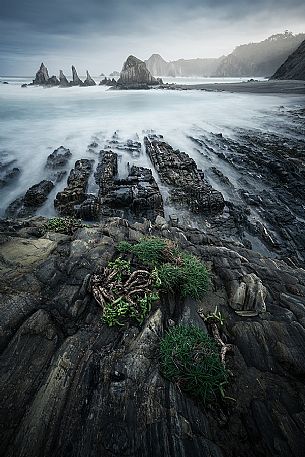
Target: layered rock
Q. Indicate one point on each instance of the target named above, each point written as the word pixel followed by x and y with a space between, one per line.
pixel 89 81
pixel 34 198
pixel 135 73
pixel 99 389
pixel 58 158
pixel 76 81
pixel 135 197
pixel 180 171
pixel 294 66
pixel 8 173
pixel 67 202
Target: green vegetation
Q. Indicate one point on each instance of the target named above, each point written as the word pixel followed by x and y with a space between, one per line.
pixel 191 358
pixel 177 270
pixel 127 288
pixel 66 225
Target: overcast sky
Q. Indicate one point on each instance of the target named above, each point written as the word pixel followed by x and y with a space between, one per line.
pixel 98 35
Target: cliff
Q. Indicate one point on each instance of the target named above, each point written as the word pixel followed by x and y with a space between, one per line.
pixel 294 66
pixel 259 59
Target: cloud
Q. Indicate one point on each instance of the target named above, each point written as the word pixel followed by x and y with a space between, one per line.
pixel 98 35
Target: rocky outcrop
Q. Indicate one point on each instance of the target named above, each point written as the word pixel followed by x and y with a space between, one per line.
pixel 135 197
pixel 135 73
pixel 42 76
pixel 8 173
pixel 59 158
pixel 78 387
pixel 89 81
pixel 294 66
pixel 53 81
pixel 67 202
pixel 108 82
pixel 76 81
pixel 115 73
pixel 180 172
pixel 28 204
pixel 63 82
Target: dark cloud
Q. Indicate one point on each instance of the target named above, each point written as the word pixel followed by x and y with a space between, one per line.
pixel 61 28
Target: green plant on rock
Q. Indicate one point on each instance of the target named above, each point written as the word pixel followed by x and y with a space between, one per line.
pixel 190 358
pixel 177 270
pixel 64 225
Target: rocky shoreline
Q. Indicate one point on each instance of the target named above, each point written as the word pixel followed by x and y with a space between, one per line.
pixel 71 385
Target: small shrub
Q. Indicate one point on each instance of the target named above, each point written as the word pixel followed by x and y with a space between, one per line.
pixel 64 225
pixel 177 270
pixel 150 250
pixel 191 358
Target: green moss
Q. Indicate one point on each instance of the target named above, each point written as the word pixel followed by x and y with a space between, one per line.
pixel 150 250
pixel 191 358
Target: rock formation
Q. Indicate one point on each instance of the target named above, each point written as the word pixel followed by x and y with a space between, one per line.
pixel 59 158
pixel 179 171
pixel 294 66
pixel 28 204
pixel 135 73
pixel 115 73
pixel 89 81
pixel 79 387
pixel 108 82
pixel 52 81
pixel 68 200
pixel 76 81
pixel 63 82
pixel 42 76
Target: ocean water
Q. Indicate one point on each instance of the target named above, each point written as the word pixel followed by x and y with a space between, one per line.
pixel 34 121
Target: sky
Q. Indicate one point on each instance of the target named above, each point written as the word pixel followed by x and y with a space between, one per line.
pixel 98 35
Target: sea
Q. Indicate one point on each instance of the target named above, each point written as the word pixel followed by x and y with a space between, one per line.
pixel 35 120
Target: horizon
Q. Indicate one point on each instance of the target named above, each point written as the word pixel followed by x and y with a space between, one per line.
pixel 99 37
pixel 82 73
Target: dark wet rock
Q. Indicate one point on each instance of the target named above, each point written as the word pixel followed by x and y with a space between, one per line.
pixel 99 389
pixel 9 176
pixel 42 76
pixel 89 81
pixel 4 82
pixel 76 81
pixel 28 204
pixel 75 192
pixel 63 82
pixel 135 197
pixel 24 85
pixel 58 158
pixel 135 73
pixel 180 171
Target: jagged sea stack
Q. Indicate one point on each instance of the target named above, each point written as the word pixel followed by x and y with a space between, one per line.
pixel 76 81
pixel 89 81
pixel 135 74
pixel 42 75
pixel 63 82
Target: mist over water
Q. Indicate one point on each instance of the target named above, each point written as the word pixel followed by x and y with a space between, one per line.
pixel 34 121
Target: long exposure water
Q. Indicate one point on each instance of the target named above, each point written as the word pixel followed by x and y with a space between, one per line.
pixel 34 121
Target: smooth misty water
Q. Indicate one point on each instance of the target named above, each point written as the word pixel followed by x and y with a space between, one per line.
pixel 34 121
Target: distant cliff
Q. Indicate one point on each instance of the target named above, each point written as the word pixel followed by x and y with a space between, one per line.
pixel 294 66
pixel 182 67
pixel 253 59
pixel 260 59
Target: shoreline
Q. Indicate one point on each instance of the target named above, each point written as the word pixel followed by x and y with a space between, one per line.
pixel 296 87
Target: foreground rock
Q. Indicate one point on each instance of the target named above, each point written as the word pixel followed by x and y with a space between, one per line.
pixel 135 197
pixel 135 74
pixel 68 201
pixel 78 387
pixel 180 172
pixel 34 198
